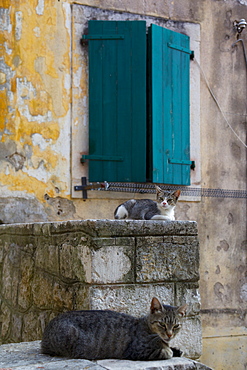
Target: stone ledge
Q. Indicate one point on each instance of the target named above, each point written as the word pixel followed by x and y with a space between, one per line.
pixel 103 228
pixel 27 356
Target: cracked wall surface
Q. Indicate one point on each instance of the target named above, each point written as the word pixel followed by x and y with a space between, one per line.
pixel 35 101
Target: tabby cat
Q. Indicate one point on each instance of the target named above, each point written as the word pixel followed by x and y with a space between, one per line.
pixel 147 209
pixel 108 334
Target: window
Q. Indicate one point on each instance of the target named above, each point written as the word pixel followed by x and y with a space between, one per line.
pixel 139 119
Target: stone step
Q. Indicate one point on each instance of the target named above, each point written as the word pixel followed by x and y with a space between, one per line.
pixel 27 356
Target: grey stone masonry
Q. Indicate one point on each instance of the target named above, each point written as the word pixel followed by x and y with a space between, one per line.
pixel 27 356
pixel 48 268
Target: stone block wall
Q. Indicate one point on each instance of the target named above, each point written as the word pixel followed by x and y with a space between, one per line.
pixel 47 268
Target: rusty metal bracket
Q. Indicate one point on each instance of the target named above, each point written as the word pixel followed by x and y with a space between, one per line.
pixel 84 187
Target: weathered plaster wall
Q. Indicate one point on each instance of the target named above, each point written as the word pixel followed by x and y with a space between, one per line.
pixel 35 149
pixel 35 108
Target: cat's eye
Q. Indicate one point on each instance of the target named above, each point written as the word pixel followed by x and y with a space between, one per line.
pixel 163 324
pixel 176 326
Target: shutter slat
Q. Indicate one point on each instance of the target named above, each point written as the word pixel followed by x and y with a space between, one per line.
pixel 109 94
pixel 95 97
pixel 139 102
pixel 157 82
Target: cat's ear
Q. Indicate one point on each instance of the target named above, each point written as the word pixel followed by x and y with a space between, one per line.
pixel 158 189
pixel 176 194
pixel 155 305
pixel 182 310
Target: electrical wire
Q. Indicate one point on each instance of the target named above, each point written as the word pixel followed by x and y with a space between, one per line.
pixel 217 103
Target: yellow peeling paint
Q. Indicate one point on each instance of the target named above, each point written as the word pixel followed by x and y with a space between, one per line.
pixel 2 78
pixel 39 106
pixel 20 181
pixel 3 109
pixel 35 103
pixel 49 130
pixel 48 157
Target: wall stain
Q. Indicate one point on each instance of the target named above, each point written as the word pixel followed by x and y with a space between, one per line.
pixel 244 245
pixel 223 293
pixel 223 245
pixel 62 208
pixel 17 160
pixel 236 151
pixel 230 218
pixel 218 287
pixel 217 271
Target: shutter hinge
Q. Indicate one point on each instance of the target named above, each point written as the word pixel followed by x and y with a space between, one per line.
pixel 192 164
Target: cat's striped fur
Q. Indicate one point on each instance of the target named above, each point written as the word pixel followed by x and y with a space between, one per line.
pixel 108 334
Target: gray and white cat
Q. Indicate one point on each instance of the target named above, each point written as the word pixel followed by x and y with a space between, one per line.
pixel 147 209
pixel 108 334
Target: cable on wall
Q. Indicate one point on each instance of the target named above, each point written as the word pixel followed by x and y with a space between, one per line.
pixel 218 104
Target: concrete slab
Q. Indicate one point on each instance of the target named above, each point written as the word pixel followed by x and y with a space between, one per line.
pixel 27 356
pixel 176 363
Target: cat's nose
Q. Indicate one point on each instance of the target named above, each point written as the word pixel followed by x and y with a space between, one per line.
pixel 169 335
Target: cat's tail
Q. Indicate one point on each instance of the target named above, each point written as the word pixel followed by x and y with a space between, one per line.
pixel 120 212
pixel 123 210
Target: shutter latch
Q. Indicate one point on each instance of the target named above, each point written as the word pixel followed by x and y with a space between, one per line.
pixel 192 164
pixel 182 49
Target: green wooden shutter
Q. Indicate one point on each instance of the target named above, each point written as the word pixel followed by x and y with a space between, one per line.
pixel 117 101
pixel 170 126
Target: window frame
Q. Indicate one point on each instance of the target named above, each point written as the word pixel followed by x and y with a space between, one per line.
pixel 81 15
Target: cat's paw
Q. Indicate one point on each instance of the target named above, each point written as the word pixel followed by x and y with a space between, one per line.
pixel 177 352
